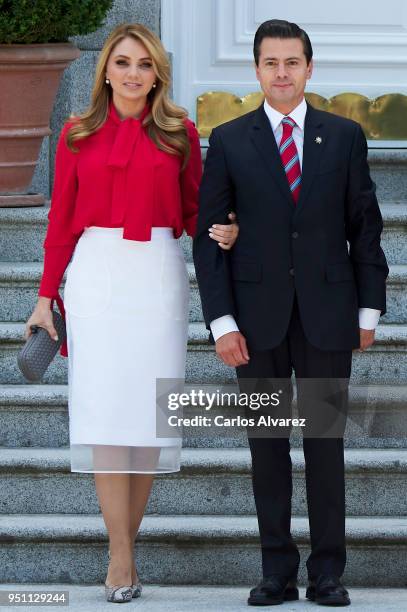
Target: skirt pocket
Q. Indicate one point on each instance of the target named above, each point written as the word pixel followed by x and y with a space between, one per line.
pixel 174 283
pixel 88 284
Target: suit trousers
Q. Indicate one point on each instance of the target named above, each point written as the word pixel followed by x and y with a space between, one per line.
pixel 324 461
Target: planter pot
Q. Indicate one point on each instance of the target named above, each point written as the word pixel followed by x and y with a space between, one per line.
pixel 29 80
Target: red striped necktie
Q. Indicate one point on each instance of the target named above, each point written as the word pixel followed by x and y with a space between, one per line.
pixel 289 157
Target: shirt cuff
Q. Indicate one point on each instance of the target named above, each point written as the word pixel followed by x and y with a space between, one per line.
pixel 223 325
pixel 368 318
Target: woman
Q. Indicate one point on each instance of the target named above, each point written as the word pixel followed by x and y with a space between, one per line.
pixel 126 183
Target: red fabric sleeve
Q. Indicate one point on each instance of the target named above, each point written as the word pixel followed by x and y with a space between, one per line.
pixel 190 180
pixel 60 240
pixel 56 260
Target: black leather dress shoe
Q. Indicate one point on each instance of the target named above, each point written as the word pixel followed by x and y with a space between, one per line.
pixel 327 590
pixel 273 590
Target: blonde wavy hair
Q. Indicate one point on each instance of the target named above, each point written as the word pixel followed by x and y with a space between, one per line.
pixel 165 121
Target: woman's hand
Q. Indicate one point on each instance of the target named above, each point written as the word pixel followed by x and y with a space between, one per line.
pixel 225 235
pixel 41 316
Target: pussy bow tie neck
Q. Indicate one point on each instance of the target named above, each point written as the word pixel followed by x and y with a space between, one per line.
pixel 132 159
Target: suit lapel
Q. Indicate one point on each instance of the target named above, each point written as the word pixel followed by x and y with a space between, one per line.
pixel 314 142
pixel 263 139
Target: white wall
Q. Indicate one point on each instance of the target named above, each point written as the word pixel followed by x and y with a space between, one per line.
pixel 359 45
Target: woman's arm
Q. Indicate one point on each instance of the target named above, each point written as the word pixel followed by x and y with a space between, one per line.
pixel 224 235
pixel 60 240
pixel 190 180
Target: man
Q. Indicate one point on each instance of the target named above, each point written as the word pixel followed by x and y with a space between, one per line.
pixel 290 295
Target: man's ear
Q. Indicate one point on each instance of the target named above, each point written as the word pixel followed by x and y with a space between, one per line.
pixel 310 68
pixel 257 71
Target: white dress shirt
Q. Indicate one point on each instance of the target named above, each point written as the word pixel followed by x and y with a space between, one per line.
pixel 368 317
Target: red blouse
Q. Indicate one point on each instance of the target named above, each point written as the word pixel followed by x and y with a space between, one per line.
pixel 119 178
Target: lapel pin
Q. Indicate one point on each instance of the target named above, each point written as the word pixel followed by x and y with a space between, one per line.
pixel 318 139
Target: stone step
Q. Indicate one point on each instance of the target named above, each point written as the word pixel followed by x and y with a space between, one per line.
pixel 388 170
pixel 23 232
pixel 198 549
pixel 396 296
pixel 37 416
pixel 385 362
pixel 160 598
pixel 211 482
pixel 393 241
pixel 19 282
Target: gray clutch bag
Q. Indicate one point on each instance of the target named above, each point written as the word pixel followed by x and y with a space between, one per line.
pixel 40 349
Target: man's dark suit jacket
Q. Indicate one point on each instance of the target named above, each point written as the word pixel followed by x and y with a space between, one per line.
pixel 283 248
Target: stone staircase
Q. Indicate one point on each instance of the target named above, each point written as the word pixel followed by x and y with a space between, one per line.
pixel 200 526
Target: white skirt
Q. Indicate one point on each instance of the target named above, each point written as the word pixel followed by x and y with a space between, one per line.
pixel 126 308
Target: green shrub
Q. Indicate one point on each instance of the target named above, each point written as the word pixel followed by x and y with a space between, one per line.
pixel 43 21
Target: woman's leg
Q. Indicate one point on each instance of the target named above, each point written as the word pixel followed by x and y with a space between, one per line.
pixel 146 460
pixel 113 491
pixel 140 487
pixel 123 499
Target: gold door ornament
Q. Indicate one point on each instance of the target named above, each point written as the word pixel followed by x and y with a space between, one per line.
pixel 383 118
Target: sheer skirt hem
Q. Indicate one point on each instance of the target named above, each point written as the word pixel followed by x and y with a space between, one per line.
pixel 114 459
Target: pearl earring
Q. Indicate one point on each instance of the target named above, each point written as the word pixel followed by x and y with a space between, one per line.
pixel 107 81
pixel 154 84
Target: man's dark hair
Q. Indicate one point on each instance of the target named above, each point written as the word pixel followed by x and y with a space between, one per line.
pixel 277 28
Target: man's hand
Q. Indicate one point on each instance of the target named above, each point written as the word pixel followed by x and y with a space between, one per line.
pixel 231 348
pixel 366 339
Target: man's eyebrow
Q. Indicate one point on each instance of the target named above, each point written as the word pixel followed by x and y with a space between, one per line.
pixel 287 58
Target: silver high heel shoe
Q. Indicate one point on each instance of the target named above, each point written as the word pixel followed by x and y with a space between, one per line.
pixel 117 593
pixel 137 588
